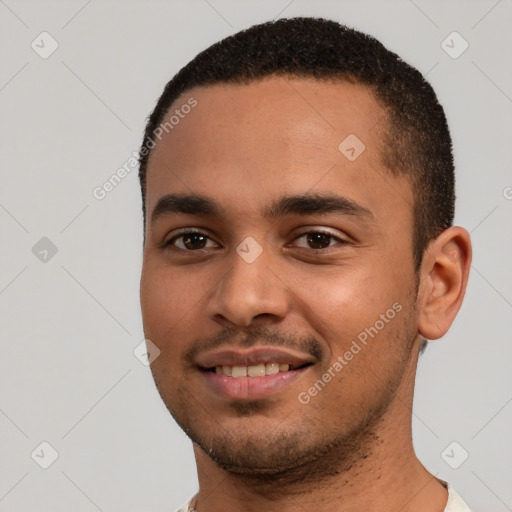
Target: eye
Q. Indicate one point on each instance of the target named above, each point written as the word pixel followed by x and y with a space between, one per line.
pixel 189 241
pixel 319 240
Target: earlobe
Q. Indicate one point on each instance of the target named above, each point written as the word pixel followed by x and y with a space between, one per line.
pixel 443 281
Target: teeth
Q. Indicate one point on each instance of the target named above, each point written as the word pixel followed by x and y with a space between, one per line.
pixel 271 368
pixel 258 370
pixel 239 371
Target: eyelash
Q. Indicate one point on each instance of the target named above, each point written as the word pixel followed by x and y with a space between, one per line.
pixel 191 231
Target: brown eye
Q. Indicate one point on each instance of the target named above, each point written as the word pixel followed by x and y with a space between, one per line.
pixel 194 241
pixel 318 240
pixel 189 241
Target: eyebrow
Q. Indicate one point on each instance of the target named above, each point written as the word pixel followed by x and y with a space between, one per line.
pixel 316 203
pixel 302 204
pixel 191 204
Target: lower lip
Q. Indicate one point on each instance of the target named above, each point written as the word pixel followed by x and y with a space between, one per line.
pixel 250 388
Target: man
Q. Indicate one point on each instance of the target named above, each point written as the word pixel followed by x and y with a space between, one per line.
pixel 298 198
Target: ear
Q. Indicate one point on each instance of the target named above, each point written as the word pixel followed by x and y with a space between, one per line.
pixel 443 279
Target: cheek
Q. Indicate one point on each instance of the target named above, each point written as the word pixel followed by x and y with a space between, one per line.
pixel 369 338
pixel 163 315
pixel 341 304
pixel 166 297
pixel 172 304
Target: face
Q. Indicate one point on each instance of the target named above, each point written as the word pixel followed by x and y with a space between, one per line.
pixel 293 264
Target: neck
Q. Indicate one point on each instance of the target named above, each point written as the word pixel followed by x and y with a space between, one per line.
pixel 387 476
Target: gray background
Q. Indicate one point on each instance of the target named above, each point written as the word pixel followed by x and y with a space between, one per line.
pixel 70 321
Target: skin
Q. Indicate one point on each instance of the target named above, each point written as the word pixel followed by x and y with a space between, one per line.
pixel 351 445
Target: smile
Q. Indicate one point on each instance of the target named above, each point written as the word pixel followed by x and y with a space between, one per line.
pixel 233 373
pixel 258 370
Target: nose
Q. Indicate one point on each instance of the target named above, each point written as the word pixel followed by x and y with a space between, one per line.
pixel 247 291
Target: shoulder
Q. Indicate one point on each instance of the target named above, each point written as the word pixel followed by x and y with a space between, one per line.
pixel 455 502
pixel 185 506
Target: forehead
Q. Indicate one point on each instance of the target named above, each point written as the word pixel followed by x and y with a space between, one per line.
pixel 276 110
pixel 280 133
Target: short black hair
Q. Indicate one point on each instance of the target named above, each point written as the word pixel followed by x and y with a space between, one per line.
pixel 417 140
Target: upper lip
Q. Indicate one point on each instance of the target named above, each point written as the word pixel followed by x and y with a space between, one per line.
pixel 235 356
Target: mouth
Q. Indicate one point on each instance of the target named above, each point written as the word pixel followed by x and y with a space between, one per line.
pixel 257 370
pixel 232 374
